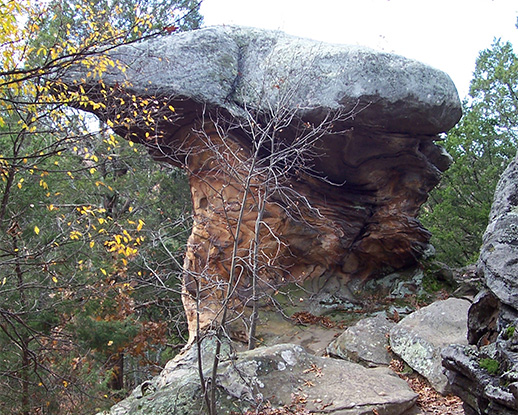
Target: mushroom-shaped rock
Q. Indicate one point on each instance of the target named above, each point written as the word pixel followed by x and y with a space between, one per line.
pixel 306 160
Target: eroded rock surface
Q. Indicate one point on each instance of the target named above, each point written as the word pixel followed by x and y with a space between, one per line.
pixel 281 375
pixel 339 211
pixel 476 377
pixel 499 254
pixel 366 342
pixel 420 337
pixel 485 374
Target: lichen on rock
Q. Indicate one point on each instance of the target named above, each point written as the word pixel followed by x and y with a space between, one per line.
pixel 276 376
pixel 420 337
pixel 485 374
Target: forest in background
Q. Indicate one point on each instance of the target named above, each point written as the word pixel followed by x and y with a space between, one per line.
pixel 93 230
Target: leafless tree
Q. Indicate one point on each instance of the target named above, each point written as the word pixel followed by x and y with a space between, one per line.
pixel 242 171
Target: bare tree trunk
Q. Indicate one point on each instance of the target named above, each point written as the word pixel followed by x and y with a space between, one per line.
pixel 254 172
pixel 252 340
pixel 25 377
pixel 199 341
pixel 228 296
pixel 24 340
pixel 7 192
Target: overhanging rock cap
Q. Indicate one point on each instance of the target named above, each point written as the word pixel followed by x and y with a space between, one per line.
pixel 234 67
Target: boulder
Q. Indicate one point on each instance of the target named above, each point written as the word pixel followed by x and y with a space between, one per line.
pixel 236 67
pixel 469 282
pixel 366 342
pixel 281 375
pixel 338 142
pixel 485 374
pixel 420 337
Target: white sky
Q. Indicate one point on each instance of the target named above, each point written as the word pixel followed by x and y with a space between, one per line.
pixel 446 34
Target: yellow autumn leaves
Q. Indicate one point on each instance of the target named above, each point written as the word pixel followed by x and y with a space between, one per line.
pixel 122 243
pixel 17 50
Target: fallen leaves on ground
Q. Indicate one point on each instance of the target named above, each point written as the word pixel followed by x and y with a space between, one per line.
pixel 305 318
pixel 429 400
pixel 296 408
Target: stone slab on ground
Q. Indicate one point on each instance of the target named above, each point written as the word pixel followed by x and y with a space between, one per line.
pixel 420 337
pixel 279 375
pixel 366 342
pixel 273 328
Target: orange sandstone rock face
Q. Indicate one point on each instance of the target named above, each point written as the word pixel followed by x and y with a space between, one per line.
pixel 307 162
pixel 328 234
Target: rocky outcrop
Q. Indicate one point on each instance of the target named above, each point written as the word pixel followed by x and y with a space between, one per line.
pixel 337 141
pixel 420 337
pixel 485 374
pixel 499 253
pixel 278 375
pixel 486 379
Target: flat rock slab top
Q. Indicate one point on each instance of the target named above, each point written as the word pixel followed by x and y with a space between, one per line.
pixel 281 374
pixel 420 337
pixel 328 385
pixel 235 67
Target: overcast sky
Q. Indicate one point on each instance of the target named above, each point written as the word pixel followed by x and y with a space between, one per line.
pixel 447 34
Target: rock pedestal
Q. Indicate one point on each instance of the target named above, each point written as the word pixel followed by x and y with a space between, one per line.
pixel 307 161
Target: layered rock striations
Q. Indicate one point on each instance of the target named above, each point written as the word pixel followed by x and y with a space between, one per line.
pixel 307 161
pixel 485 373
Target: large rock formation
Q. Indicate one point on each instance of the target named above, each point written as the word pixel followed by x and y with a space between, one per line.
pixel 485 374
pixel 337 141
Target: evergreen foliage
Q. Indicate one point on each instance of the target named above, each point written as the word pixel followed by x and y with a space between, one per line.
pixel 481 145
